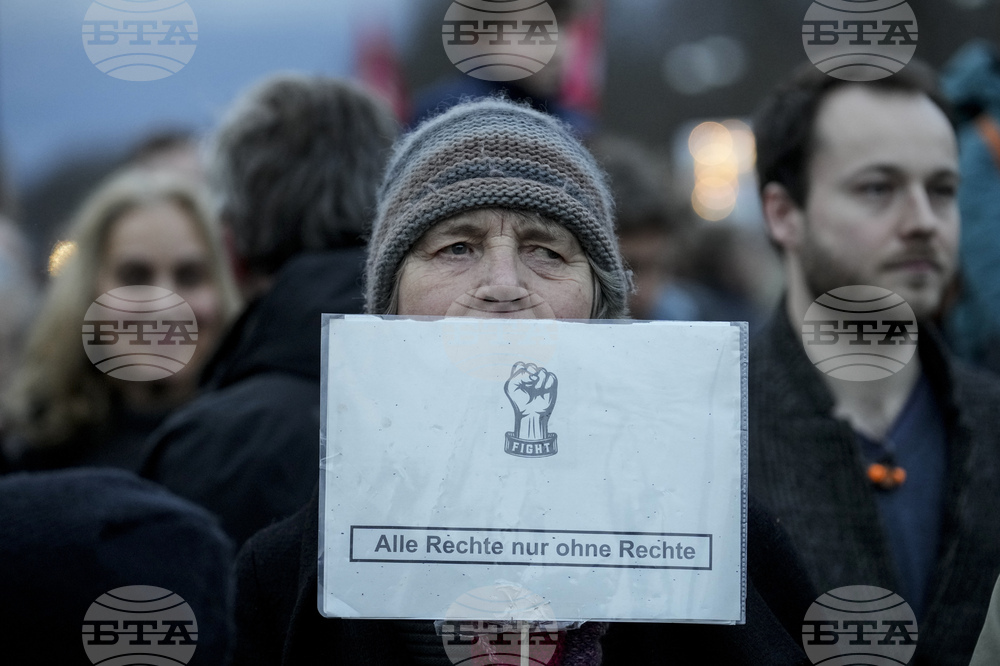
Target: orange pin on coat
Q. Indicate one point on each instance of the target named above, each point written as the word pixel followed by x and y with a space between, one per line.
pixel 886 477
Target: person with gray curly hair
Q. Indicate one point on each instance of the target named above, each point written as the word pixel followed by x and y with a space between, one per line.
pixel 295 170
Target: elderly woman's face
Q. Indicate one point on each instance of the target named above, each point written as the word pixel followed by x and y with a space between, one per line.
pixel 491 263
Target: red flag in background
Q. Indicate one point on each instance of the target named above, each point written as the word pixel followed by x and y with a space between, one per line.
pixel 378 68
pixel 583 76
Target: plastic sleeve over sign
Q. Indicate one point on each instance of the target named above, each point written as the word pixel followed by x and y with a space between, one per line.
pixel 479 472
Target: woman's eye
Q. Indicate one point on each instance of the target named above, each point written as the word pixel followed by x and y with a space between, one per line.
pixel 546 253
pixel 458 249
pixel 133 274
pixel 191 275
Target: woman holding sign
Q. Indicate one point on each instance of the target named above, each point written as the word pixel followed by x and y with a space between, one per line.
pixel 494 210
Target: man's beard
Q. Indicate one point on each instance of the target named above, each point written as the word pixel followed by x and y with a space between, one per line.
pixel 823 272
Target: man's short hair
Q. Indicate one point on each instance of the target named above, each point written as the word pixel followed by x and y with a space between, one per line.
pixel 784 124
pixel 296 167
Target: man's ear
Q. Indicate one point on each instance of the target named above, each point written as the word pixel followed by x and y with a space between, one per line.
pixel 784 218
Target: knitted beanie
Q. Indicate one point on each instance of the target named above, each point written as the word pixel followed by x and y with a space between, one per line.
pixel 491 153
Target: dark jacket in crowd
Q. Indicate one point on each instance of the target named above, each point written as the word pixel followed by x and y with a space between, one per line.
pixel 119 441
pixel 248 447
pixel 806 466
pixel 278 622
pixel 68 537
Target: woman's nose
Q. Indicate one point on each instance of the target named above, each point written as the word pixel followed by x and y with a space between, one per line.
pixel 500 266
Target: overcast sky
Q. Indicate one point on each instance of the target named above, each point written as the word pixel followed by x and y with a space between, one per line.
pixel 54 103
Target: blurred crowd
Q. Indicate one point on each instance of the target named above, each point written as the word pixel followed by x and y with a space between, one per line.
pixel 265 224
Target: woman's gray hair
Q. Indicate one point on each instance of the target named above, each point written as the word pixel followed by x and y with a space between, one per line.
pixel 296 165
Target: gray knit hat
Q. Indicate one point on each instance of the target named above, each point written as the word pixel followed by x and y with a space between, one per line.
pixel 492 153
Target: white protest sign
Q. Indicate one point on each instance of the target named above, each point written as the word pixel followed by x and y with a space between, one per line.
pixel 599 465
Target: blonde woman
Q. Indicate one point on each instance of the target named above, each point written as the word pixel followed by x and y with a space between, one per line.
pixel 140 227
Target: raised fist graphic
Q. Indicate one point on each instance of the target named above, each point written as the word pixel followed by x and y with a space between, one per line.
pixel 532 393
